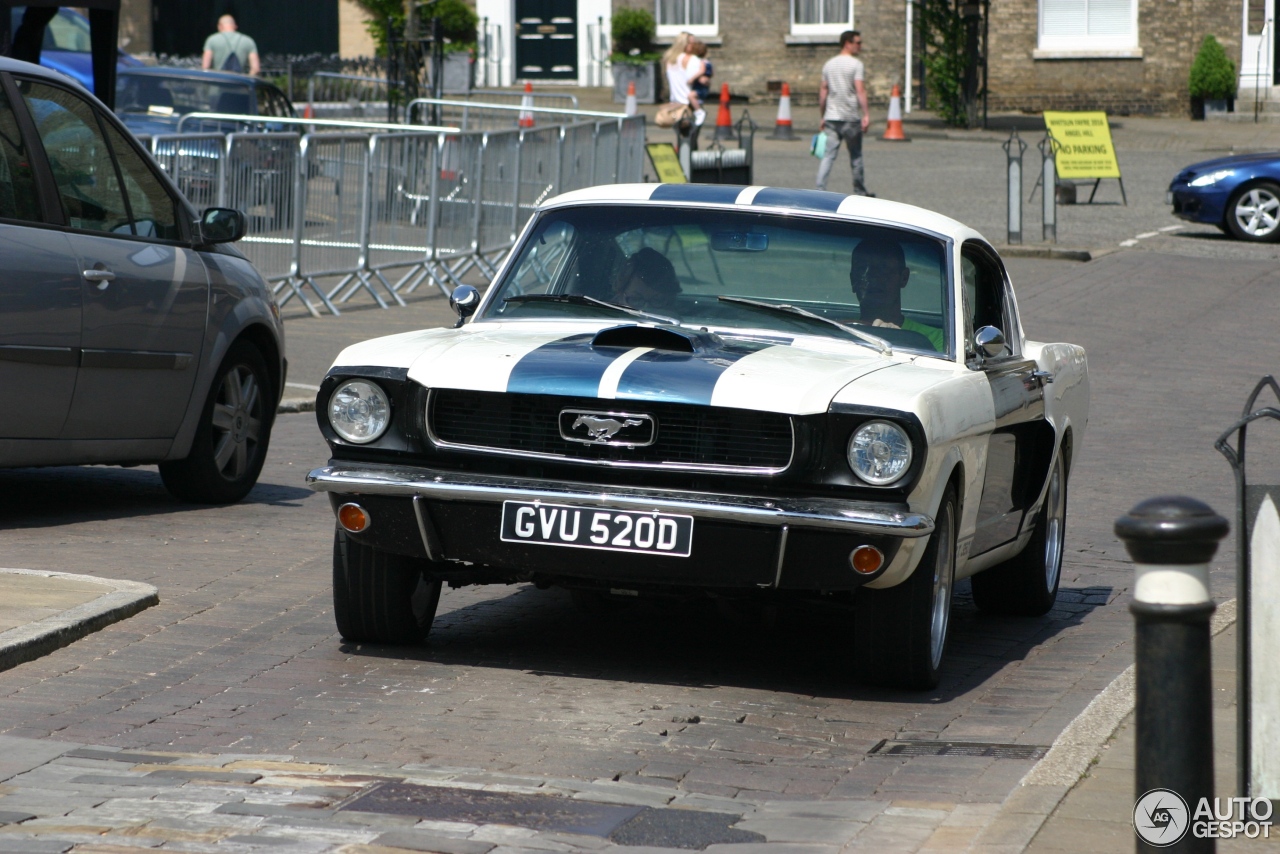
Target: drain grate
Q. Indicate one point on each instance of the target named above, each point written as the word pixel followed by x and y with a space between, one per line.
pixel 537 812
pixel 958 748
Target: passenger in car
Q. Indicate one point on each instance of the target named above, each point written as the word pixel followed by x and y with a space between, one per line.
pixel 878 272
pixel 648 282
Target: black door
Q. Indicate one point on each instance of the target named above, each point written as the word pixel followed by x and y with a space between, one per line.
pixel 547 39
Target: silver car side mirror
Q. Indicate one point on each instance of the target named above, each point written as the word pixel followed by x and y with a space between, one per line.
pixel 990 342
pixel 464 300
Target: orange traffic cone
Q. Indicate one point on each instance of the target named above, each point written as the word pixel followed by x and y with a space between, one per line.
pixel 782 127
pixel 631 108
pixel 724 122
pixel 526 101
pixel 307 112
pixel 893 131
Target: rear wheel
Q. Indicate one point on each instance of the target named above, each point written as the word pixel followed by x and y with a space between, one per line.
pixel 1254 213
pixel 379 597
pixel 900 633
pixel 1027 585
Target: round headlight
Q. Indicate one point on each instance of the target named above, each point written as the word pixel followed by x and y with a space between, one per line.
pixel 879 452
pixel 359 411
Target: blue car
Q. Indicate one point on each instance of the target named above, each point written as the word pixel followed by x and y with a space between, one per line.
pixel 1239 194
pixel 66 46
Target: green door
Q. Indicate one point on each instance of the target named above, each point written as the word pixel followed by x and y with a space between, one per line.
pixel 547 39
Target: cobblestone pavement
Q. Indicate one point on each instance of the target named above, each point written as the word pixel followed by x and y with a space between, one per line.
pixel 652 705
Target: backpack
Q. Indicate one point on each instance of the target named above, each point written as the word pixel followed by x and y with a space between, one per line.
pixel 232 62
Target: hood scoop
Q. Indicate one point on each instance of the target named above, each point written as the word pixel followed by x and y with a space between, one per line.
pixel 655 337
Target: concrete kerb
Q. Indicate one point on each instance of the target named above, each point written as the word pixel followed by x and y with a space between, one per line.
pixel 1038 794
pixel 33 640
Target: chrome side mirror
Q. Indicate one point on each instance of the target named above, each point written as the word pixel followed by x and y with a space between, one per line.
pixel 990 342
pixel 464 300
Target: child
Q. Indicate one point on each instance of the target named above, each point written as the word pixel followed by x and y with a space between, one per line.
pixel 702 86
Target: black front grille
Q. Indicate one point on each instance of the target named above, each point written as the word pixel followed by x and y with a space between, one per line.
pixel 686 434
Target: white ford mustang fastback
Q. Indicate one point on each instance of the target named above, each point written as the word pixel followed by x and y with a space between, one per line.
pixel 742 392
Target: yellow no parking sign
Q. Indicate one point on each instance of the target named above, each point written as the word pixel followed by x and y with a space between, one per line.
pixel 1083 148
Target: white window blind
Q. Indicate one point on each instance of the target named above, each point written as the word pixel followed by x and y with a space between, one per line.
pixel 821 17
pixel 1088 24
pixel 695 16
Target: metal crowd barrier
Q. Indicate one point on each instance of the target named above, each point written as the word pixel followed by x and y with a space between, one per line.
pixel 470 115
pixel 379 209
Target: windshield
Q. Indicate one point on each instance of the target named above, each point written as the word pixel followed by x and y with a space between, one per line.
pixel 143 93
pixel 729 270
pixel 67 31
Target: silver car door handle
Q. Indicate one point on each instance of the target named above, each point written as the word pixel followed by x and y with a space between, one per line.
pixel 102 277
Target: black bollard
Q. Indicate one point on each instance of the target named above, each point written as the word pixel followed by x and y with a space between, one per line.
pixel 1170 540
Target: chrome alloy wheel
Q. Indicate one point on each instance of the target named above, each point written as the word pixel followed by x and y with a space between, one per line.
pixel 943 577
pixel 1257 212
pixel 237 421
pixel 1055 514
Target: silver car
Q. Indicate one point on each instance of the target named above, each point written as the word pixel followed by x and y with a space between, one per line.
pixel 130 330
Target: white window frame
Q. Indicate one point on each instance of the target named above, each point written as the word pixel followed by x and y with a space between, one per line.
pixel 673 30
pixel 818 29
pixel 1087 44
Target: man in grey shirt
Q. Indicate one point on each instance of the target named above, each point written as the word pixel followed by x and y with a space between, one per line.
pixel 843 101
pixel 229 50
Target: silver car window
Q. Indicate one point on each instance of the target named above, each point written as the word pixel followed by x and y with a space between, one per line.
pixel 18 196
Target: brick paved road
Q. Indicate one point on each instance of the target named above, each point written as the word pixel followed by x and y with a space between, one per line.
pixel 241 654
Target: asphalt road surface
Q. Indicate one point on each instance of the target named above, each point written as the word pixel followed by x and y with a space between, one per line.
pixel 242 656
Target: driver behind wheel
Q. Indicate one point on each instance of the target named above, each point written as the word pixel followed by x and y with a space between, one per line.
pixel 648 282
pixel 878 272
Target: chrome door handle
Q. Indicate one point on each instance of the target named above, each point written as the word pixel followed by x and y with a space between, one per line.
pixel 102 277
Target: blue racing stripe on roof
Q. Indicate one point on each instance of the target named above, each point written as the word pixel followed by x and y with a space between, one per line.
pixel 810 200
pixel 682 377
pixel 714 194
pixel 570 367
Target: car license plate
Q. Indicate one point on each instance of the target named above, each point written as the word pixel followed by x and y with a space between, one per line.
pixel 594 528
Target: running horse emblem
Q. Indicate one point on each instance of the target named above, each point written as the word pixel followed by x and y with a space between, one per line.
pixel 603 429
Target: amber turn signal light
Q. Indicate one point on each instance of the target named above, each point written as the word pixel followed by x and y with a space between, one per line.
pixel 864 559
pixel 354 518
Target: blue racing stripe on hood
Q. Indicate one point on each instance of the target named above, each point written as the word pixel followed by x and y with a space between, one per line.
pixel 570 367
pixel 712 194
pixel 813 200
pixel 682 377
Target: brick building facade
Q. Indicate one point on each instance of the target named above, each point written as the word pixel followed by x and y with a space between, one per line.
pixel 1121 56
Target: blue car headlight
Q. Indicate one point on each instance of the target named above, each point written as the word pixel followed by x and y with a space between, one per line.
pixel 1211 178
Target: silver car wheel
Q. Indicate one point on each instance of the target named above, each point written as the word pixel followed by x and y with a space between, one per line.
pixel 237 421
pixel 943 576
pixel 1257 212
pixel 1055 515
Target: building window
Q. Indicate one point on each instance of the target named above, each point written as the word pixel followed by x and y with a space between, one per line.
pixel 821 17
pixel 1088 25
pixel 687 16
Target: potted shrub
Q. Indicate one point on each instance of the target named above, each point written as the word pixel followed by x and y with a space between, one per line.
pixel 458 24
pixel 1213 80
pixel 633 58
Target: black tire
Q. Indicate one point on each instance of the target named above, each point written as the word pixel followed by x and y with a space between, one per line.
pixel 379 597
pixel 1027 585
pixel 900 633
pixel 231 440
pixel 1253 213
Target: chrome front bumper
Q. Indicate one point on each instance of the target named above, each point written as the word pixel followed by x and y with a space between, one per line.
pixel 867 517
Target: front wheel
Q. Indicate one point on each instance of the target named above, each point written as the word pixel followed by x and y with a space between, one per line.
pixel 1026 585
pixel 1253 213
pixel 230 444
pixel 380 597
pixel 900 633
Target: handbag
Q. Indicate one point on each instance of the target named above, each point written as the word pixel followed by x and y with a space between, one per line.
pixel 670 115
pixel 818 145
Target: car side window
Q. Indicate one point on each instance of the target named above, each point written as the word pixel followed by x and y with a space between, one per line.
pixel 983 294
pixel 18 197
pixel 153 209
pixel 95 187
pixel 271 103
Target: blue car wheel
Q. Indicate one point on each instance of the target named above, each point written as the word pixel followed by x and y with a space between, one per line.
pixel 1253 213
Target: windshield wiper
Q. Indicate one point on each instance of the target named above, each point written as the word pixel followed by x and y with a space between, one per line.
pixel 581 299
pixel 873 341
